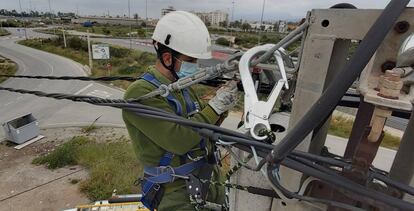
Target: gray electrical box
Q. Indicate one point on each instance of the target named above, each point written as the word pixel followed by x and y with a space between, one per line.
pixel 21 129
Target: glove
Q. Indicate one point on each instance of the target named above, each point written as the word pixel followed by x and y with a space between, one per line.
pixel 225 99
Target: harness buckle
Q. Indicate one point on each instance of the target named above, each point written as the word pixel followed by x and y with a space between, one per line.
pixel 157 187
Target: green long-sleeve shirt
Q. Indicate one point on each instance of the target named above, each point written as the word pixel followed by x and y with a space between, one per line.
pixel 152 138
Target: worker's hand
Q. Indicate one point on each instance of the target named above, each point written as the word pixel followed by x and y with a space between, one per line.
pixel 225 99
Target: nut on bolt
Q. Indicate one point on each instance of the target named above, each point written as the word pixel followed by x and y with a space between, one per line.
pixel 388 65
pixel 390 85
pixel 401 27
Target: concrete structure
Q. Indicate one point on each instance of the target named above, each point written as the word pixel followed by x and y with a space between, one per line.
pixel 283 27
pixel 167 10
pixel 107 20
pixel 257 26
pixel 213 18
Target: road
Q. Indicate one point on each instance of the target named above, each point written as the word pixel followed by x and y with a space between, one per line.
pixel 147 47
pixel 51 112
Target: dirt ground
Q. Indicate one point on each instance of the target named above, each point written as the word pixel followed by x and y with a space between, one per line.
pixel 24 186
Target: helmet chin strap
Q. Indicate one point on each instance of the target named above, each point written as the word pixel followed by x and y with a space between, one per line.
pixel 170 67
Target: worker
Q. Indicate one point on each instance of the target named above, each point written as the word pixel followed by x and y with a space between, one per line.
pixel 165 148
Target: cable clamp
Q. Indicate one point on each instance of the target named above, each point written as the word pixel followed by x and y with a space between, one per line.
pixel 165 91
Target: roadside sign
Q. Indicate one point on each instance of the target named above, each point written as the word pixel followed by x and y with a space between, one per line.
pixel 100 51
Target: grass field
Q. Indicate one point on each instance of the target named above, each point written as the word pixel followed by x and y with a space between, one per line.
pixel 342 126
pixel 7 67
pixel 116 30
pixel 4 32
pixel 111 165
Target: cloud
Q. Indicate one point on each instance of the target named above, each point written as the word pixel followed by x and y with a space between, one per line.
pixel 245 9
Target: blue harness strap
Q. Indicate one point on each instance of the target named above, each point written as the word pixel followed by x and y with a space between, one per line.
pixel 164 173
pixel 191 106
pixel 170 98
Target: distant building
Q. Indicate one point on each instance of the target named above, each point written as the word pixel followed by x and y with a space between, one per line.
pixel 105 20
pixel 258 26
pixel 152 22
pixel 218 17
pixel 204 16
pixel 213 18
pixel 167 10
pixel 283 27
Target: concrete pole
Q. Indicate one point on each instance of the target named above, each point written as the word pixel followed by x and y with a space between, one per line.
pixel 51 16
pixel 89 51
pixel 24 23
pixel 261 22
pixel 130 24
pixel 64 37
pixel 146 18
pixel 232 18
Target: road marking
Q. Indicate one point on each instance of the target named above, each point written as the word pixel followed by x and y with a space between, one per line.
pixel 99 93
pixel 83 89
pixel 9 103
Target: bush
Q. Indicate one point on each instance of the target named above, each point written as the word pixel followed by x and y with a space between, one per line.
pixel 112 165
pixel 64 155
pixel 106 31
pixel 146 58
pixel 222 41
pixel 119 52
pixel 77 43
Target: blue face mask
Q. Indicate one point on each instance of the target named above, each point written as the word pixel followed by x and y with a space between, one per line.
pixel 187 68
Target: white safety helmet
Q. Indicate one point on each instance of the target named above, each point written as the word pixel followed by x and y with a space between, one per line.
pixel 185 33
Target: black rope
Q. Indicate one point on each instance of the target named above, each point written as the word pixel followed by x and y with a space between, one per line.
pixel 243 141
pixel 249 189
pixel 81 78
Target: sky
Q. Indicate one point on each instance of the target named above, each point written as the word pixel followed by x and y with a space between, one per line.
pixel 243 9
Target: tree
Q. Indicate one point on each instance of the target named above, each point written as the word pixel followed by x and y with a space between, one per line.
pixel 223 24
pixel 276 27
pixel 262 27
pixel 222 41
pixel 246 27
pixel 236 24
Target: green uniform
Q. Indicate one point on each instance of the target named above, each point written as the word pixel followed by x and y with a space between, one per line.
pixel 152 138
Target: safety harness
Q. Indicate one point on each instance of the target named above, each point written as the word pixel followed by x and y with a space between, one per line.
pixel 154 177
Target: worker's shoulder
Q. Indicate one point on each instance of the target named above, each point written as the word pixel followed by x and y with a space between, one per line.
pixel 138 88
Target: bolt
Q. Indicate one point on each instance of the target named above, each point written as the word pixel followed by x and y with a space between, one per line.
pixel 402 27
pixel 388 65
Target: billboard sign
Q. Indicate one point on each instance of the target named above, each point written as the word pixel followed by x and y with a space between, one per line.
pixel 100 51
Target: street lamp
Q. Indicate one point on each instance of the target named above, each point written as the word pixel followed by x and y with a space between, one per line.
pixel 130 24
pixel 261 21
pixel 24 24
pixel 51 17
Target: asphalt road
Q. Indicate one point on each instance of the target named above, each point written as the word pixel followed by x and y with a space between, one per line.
pixel 51 112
